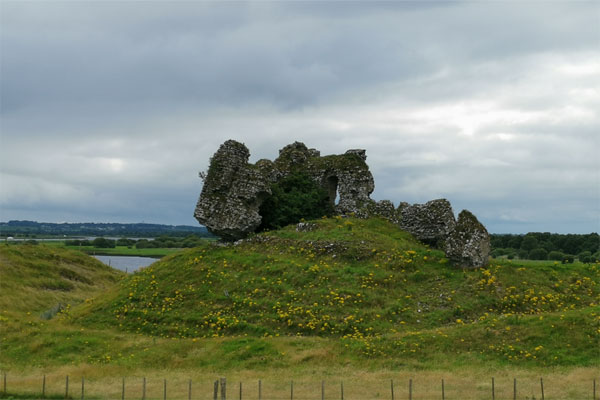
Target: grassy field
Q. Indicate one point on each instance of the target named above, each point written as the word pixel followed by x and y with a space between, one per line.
pixel 117 251
pixel 467 384
pixel 353 300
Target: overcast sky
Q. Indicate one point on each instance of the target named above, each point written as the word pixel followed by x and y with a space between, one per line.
pixel 110 109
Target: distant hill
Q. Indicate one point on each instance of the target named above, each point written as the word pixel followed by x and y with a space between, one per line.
pixel 27 228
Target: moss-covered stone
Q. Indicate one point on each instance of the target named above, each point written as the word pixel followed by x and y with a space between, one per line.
pixel 431 222
pixel 468 245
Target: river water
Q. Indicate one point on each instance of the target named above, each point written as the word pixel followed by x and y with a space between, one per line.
pixel 126 263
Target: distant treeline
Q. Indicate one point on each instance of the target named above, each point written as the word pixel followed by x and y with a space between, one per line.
pixel 547 246
pixel 31 228
pixel 164 241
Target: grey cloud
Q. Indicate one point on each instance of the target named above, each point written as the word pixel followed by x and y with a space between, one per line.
pixel 109 106
pixel 176 53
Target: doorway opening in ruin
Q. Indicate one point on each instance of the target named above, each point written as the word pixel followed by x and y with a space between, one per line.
pixel 332 186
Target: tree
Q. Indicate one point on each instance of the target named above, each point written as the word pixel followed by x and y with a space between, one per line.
pixel 529 243
pixel 585 256
pixel 293 198
pixel 498 252
pixel 125 242
pixel 591 243
pixel 538 254
pixel 143 244
pixel 570 244
pixel 514 242
pixel 170 244
pixel 103 243
pixel 556 255
pixel 546 245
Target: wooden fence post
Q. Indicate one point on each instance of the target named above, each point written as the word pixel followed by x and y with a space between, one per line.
pixel 493 390
pixel 240 390
pixel 542 385
pixel 515 389
pixel 67 387
pixel 342 390
pixel 216 390
pixel 82 388
pixel 144 389
pixel 259 389
pixel 164 389
pixel 392 388
pixel 292 390
pixel 223 381
pixel 123 389
pixel 190 390
pixel 443 392
pixel 410 389
pixel 44 387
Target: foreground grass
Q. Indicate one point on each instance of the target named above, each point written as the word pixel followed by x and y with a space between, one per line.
pixel 465 384
pixel 29 343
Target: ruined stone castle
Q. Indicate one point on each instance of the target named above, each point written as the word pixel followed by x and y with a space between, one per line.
pixel 234 189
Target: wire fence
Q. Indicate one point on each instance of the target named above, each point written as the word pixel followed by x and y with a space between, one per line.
pixel 222 389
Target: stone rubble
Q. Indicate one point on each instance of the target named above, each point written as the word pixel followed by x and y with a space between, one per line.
pixel 468 245
pixel 431 222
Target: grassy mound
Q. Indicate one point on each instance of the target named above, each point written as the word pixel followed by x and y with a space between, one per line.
pixel 36 278
pixel 39 285
pixel 361 289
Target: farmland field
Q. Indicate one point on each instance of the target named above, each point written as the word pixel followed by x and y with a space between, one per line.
pixel 117 250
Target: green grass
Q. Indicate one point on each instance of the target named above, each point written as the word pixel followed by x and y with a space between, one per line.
pixel 34 278
pixel 370 288
pixel 118 250
pixel 357 295
pixel 127 251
